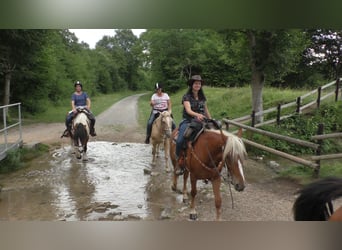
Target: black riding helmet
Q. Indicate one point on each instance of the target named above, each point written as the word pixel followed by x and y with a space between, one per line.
pixel 158 86
pixel 78 83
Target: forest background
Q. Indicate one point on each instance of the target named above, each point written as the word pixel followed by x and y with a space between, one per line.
pixel 38 67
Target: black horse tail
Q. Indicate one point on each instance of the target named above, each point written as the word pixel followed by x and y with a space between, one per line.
pixel 80 133
pixel 314 202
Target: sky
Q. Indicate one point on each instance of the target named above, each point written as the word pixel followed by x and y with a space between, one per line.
pixel 92 36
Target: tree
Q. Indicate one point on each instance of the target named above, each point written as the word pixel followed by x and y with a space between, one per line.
pixel 326 49
pixel 17 47
pixel 269 55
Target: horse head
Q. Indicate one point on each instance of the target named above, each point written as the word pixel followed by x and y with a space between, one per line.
pixel 166 123
pixel 234 155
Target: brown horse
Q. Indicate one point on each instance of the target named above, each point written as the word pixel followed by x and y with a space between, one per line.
pixel 205 159
pixel 161 132
pixel 314 202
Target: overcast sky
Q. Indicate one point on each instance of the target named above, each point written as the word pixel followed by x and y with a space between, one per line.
pixel 92 36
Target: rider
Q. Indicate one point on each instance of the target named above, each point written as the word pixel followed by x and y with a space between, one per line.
pixel 79 99
pixel 160 101
pixel 194 107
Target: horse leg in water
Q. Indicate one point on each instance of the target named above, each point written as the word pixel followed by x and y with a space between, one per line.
pixel 84 155
pixel 154 152
pixel 166 153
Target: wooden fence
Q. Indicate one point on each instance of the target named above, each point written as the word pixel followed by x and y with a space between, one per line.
pixel 300 105
pixel 313 161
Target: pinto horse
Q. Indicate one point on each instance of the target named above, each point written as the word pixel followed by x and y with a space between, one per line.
pixel 80 134
pixel 205 159
pixel 161 132
pixel 314 202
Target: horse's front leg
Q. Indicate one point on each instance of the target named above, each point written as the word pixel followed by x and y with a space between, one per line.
pixel 216 184
pixel 154 153
pixel 85 156
pixel 185 189
pixel 193 213
pixel 166 153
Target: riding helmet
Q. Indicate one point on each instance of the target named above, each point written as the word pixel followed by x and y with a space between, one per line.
pixel 195 78
pixel 158 86
pixel 78 83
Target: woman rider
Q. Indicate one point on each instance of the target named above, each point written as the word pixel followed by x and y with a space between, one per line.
pixel 160 101
pixel 79 99
pixel 194 107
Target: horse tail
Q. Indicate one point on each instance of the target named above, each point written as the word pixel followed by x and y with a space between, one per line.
pixel 234 147
pixel 314 202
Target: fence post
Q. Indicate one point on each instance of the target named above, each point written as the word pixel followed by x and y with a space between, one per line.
pixel 319 91
pixel 319 149
pixel 298 104
pixel 337 89
pixel 278 113
pixel 253 118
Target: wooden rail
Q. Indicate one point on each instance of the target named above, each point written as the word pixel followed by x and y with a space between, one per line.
pixel 314 160
pixel 299 104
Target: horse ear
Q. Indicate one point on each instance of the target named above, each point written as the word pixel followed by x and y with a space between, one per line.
pixel 239 134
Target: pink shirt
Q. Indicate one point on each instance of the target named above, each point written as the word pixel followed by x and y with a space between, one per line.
pixel 160 102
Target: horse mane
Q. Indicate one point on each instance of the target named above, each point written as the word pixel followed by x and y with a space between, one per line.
pixel 234 145
pixel 314 202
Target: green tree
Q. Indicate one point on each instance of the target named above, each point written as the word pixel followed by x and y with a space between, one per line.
pixel 265 55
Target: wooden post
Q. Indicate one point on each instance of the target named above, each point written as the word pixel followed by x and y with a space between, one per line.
pixel 253 118
pixel 318 150
pixel 319 91
pixel 278 113
pixel 337 89
pixel 298 104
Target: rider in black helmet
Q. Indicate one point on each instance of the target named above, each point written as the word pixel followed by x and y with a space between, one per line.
pixel 79 99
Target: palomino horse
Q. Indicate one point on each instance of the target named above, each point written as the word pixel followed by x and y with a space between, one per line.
pixel 314 202
pixel 80 134
pixel 161 132
pixel 205 159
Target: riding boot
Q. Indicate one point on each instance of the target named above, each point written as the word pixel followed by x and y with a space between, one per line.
pixel 67 132
pixel 92 129
pixel 147 140
pixel 180 166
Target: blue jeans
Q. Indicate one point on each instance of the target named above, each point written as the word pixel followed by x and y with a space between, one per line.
pixel 180 140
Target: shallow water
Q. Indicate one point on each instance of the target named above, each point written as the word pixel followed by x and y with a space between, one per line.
pixel 59 187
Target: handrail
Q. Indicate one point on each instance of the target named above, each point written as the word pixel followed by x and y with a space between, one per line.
pixel 5 146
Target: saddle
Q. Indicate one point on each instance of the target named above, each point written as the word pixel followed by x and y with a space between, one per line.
pixel 196 127
pixel 68 133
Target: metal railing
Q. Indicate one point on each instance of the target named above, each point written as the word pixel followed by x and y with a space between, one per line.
pixel 16 141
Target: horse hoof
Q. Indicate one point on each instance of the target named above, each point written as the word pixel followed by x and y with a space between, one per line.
pixel 193 217
pixel 174 188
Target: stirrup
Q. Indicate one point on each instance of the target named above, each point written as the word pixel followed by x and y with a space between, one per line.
pixel 65 134
pixel 179 171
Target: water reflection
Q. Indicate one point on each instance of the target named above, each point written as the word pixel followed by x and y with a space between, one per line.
pixel 60 187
